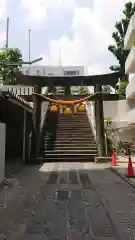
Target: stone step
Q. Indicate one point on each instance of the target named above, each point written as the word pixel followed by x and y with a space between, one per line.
pixel 73 132
pixel 71 141
pixel 71 151
pixel 70 146
pixel 68 134
pixel 68 141
pixel 77 125
pixel 77 115
pixel 75 118
pixel 67 150
pixel 72 120
pixel 73 138
pixel 70 154
pixel 74 129
pixel 69 157
pixel 78 121
pixel 67 120
pixel 71 125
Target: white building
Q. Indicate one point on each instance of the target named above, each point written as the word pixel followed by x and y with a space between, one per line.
pixel 54 70
pixel 44 71
pixel 124 114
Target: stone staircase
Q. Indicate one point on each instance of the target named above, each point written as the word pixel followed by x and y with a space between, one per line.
pixel 68 138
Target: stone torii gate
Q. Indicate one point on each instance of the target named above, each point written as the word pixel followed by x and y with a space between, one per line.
pixel 95 80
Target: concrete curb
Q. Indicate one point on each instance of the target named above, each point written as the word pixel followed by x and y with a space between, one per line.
pixel 114 170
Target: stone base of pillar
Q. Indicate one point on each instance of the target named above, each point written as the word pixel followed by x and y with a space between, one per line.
pixel 34 160
pixel 103 159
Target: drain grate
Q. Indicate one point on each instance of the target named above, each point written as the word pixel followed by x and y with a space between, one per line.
pixel 73 177
pixel 53 178
pixel 62 195
pixel 85 181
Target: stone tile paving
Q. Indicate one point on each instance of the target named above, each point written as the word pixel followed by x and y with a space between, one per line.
pixel 121 169
pixel 67 201
pixel 18 200
pixel 66 210
pixel 118 198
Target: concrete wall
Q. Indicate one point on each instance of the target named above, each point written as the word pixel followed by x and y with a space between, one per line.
pixel 116 109
pixel 2 151
pixel 127 135
pixel 121 109
pixel 113 110
pixel 110 109
pixel 130 89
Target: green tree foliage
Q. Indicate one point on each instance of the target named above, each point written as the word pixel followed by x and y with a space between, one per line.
pixel 121 89
pixel 7 71
pixel 118 48
pixel 82 90
pixel 106 89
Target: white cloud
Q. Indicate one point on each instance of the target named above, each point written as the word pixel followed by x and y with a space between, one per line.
pixel 2 36
pixel 91 34
pixel 3 13
pixel 2 8
pixel 94 69
pixel 38 11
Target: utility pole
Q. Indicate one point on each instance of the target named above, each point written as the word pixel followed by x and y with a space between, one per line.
pixel 7 32
pixel 6 45
pixel 29 48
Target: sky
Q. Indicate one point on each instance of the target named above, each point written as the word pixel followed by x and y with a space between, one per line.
pixel 73 32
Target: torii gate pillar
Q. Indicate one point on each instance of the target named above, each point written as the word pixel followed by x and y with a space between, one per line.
pixel 36 122
pixel 99 117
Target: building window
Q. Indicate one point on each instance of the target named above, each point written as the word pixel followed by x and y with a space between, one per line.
pixel 50 74
pixel 43 71
pixel 77 72
pixel 70 73
pixel 38 72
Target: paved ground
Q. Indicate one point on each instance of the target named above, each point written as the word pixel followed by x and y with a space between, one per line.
pixel 122 168
pixel 67 201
